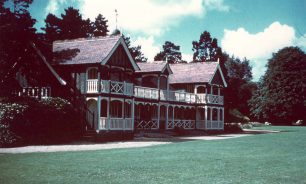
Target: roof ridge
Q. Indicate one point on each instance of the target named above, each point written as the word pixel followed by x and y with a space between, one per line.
pixel 86 39
pixel 193 63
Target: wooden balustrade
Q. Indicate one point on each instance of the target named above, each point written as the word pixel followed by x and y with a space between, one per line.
pixel 144 92
pixel 185 124
pixel 92 86
pixel 115 124
pixel 200 124
pixel 37 92
pixel 213 124
pixel 128 89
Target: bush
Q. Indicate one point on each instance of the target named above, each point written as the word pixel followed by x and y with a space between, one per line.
pixel 9 113
pixel 32 121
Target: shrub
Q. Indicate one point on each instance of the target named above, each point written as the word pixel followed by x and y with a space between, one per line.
pixel 9 113
pixel 45 121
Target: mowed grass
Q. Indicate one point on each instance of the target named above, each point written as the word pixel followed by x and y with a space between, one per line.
pixel 263 158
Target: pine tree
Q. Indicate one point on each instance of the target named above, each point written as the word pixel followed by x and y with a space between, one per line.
pixel 171 53
pixel 100 26
pixel 136 53
pixel 206 49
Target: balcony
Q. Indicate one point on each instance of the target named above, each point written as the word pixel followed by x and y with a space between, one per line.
pixel 124 88
pixel 147 93
pixel 209 98
pixel 107 86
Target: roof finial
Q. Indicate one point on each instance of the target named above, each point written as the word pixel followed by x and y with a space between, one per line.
pixel 116 14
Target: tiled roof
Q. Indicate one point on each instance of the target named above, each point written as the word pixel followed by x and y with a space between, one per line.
pixel 83 51
pixel 192 72
pixel 156 66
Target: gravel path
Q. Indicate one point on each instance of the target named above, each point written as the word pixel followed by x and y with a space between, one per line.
pixel 83 147
pixel 139 142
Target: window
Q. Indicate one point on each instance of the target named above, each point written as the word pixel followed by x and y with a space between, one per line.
pixel 127 110
pixel 221 115
pixel 215 114
pixel 92 73
pixel 116 109
pixel 103 108
pixel 208 113
pixel 201 89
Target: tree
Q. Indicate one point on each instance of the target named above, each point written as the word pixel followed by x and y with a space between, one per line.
pixel 16 32
pixel 206 49
pixel 171 53
pixel 240 87
pixel 71 25
pixel 100 26
pixel 136 53
pixel 282 90
pixel 52 28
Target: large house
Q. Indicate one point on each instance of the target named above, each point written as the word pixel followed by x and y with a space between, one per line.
pixel 122 95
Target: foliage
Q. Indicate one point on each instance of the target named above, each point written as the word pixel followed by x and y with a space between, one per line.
pixel 206 49
pixel 71 25
pixel 240 88
pixel 282 90
pixel 24 121
pixel 171 53
pixel 100 26
pixel 136 53
pixel 16 32
pixel 10 112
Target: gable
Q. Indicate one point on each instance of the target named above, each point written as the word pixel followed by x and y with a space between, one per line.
pixel 120 58
pixel 218 78
pixel 119 43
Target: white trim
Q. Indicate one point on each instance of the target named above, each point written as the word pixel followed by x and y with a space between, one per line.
pixel 128 101
pixel 122 42
pixel 104 98
pixel 118 99
pixel 89 68
pixel 167 67
pixel 223 80
pixel 91 98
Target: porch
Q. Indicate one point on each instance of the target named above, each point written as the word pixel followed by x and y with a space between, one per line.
pixel 129 115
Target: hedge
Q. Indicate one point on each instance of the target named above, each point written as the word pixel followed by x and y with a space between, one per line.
pixel 26 121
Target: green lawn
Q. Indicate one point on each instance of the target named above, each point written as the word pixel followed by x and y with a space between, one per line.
pixel 263 158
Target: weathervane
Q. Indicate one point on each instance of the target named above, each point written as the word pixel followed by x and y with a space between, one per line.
pixel 116 14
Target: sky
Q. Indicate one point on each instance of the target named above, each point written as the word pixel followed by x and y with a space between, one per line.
pixel 254 29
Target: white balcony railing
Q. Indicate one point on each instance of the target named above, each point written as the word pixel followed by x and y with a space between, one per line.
pixel 129 89
pixel 42 92
pixel 144 92
pixel 209 98
pixel 107 86
pixel 92 86
pixel 181 97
